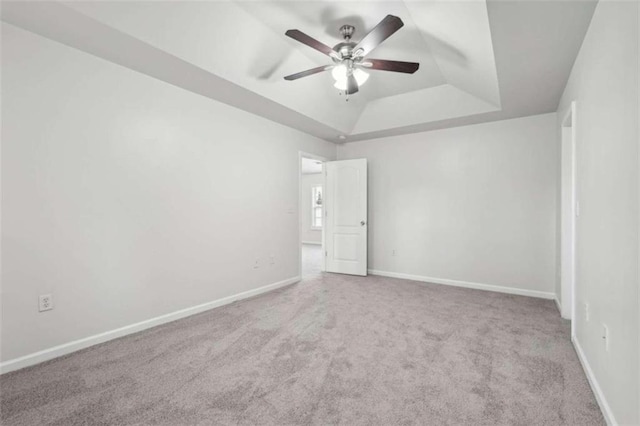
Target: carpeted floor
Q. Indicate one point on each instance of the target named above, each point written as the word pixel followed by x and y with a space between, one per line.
pixel 331 349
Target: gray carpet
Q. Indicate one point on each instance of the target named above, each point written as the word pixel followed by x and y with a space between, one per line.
pixel 329 350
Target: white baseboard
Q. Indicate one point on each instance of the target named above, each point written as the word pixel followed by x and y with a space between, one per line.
pixel 555 299
pixel 76 345
pixel 465 284
pixel 317 243
pixel 595 386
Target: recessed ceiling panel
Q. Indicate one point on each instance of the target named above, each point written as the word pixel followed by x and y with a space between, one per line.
pixel 322 20
pixel 479 61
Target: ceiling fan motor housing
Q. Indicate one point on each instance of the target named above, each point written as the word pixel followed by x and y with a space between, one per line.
pixel 344 49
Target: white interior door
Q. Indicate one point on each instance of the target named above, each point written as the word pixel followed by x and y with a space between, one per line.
pixel 346 216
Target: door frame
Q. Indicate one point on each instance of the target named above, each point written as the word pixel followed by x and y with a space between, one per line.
pixel 301 155
pixel 568 196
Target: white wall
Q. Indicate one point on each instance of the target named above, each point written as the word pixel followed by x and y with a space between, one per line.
pixel 474 204
pixel 309 234
pixel 127 198
pixel 604 84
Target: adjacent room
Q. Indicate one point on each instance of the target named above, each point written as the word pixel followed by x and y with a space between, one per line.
pixel 415 212
pixel 311 215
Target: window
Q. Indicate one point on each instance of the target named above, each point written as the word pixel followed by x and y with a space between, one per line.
pixel 316 207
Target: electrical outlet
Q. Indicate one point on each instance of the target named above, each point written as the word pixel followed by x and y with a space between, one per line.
pixel 393 252
pixel 605 337
pixel 587 314
pixel 257 264
pixel 45 303
pixel 272 259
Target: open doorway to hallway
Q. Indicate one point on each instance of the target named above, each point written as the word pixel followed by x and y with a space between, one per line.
pixel 311 214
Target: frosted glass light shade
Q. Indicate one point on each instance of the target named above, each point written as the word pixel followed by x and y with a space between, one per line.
pixel 339 73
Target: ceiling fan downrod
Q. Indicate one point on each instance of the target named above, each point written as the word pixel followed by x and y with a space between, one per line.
pixel 347 31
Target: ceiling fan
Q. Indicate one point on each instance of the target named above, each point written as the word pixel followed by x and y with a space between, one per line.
pixel 349 58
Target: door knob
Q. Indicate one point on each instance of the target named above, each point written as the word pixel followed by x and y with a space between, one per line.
pixel 362 223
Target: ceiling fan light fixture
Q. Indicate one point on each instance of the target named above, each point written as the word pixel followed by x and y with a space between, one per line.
pixel 339 73
pixel 340 85
pixel 361 76
pixel 349 57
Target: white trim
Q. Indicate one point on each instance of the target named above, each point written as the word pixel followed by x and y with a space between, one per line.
pixel 638 135
pixel 319 243
pixel 558 305
pixel 76 345
pixel 568 215
pixel 595 386
pixel 466 284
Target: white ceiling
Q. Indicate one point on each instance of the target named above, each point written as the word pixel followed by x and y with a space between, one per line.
pixel 479 60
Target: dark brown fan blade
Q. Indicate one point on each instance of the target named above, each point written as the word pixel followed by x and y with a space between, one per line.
pixel 311 42
pixel 395 66
pixel 389 25
pixel 308 72
pixel 352 85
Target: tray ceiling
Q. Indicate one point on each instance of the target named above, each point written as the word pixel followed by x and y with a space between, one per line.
pixel 470 53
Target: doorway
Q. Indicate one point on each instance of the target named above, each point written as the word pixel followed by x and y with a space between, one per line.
pixel 312 216
pixel 569 211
